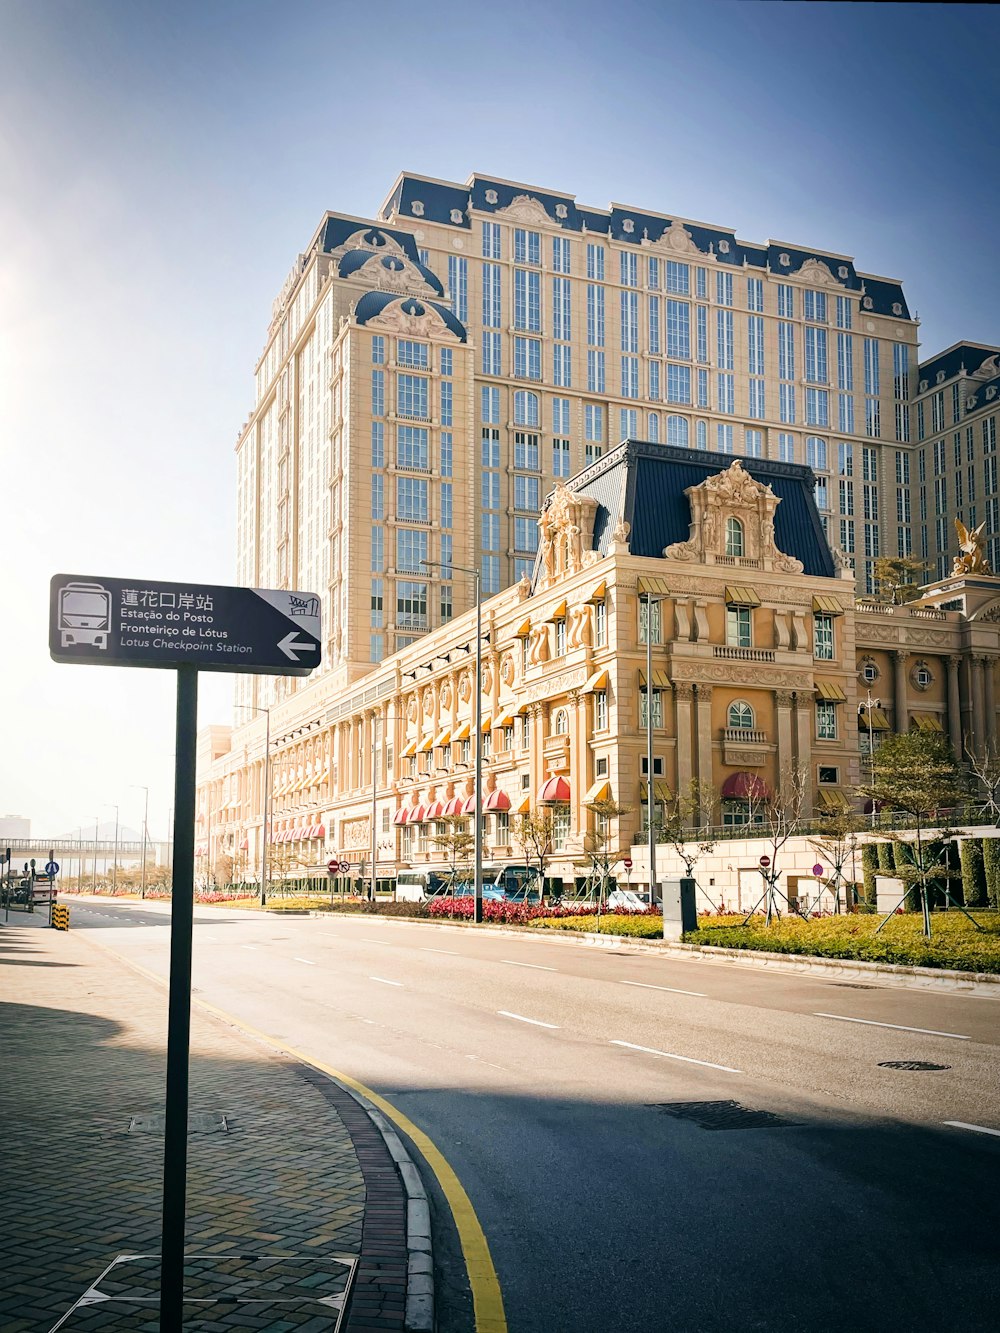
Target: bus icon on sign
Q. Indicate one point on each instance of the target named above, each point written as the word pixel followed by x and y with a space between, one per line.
pixel 84 614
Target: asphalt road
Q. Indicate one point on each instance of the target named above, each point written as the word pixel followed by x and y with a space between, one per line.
pixel 584 1098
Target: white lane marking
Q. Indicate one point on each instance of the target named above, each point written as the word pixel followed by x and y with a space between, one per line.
pixel 897 1027
pixel 308 961
pixel 484 1062
pixel 424 949
pixel 668 1055
pixel 252 947
pixel 537 966
pixel 673 989
pixel 385 982
pixel 504 1013
pixel 366 940
pixel 976 1129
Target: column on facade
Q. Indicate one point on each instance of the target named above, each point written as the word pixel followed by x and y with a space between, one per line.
pixel 579 775
pixel 804 714
pixel 978 704
pixel 783 700
pixel 954 706
pixel 704 734
pixel 901 713
pixel 683 698
pixel 538 775
pixel 989 665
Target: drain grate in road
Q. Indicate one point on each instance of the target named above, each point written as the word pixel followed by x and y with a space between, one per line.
pixel 920 1065
pixel 199 1122
pixel 853 985
pixel 721 1115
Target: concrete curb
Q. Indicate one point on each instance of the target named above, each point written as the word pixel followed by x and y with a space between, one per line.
pixel 891 974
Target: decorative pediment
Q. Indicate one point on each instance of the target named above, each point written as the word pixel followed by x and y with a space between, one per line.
pixel 525 208
pixel 676 238
pixel 412 319
pixel 566 534
pixel 393 273
pixel 370 238
pixel 989 370
pixel 814 270
pixel 732 523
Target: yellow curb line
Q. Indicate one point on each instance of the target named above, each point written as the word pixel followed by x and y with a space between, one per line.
pixel 487 1299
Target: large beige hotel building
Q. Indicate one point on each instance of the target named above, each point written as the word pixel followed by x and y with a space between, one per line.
pixel 585 406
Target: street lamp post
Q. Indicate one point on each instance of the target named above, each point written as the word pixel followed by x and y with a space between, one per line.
pixel 253 708
pixel 871 703
pixel 650 600
pixel 465 569
pixel 97 825
pixel 137 786
pixel 114 870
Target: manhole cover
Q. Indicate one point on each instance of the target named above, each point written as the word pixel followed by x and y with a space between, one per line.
pixel 721 1115
pixel 909 1064
pixel 853 985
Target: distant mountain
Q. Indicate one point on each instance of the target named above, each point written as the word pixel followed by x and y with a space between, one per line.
pixel 105 833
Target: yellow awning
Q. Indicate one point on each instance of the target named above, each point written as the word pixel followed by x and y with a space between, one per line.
pixel 828 606
pixel 410 751
pixel 658 587
pixel 504 720
pixel 833 800
pixel 598 681
pixel 524 807
pixel 927 722
pixel 559 613
pixel 521 710
pixel 661 790
pixel 661 681
pixel 463 732
pixel 442 739
pixel 426 745
pixel 827 689
pixel 600 791
pixel 487 723
pixel 877 722
pixel 599 593
pixel 740 596
pixel 523 630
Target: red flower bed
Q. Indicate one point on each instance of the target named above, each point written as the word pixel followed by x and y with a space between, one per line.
pixel 511 913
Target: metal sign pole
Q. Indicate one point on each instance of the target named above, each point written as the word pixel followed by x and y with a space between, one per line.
pixel 179 1016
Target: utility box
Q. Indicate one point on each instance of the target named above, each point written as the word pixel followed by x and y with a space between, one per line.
pixel 889 892
pixel 680 913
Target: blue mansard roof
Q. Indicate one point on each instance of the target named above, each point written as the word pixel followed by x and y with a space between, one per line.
pixel 961 357
pixel 357 259
pixel 644 484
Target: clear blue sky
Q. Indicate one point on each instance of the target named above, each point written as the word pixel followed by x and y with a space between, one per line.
pixel 163 163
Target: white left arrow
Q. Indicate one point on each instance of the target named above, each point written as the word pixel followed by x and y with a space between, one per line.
pixel 291 646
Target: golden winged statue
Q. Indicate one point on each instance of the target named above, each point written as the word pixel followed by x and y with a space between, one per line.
pixel 973 557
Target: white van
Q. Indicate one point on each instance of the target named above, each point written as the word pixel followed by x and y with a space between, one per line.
pixel 416 886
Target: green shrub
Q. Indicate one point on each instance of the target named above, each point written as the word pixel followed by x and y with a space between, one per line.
pixel 991 866
pixel 886 858
pixel 347 905
pixel 638 926
pixel 870 868
pixel 955 944
pixel 973 873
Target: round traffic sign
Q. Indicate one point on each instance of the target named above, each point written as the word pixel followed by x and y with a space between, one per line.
pixel 627 863
pixel 765 860
pixel 52 867
pixel 818 870
pixel 345 867
pixel 333 866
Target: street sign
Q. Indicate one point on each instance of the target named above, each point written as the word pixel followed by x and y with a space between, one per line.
pixel 333 866
pixel 627 863
pixel 142 623
pixel 818 870
pixel 51 868
pixel 765 860
pixel 345 867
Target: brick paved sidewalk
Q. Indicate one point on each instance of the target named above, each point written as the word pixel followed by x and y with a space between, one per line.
pixel 281 1163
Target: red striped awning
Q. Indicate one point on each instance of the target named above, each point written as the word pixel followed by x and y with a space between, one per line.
pixel 245 845
pixel 435 810
pixel 417 815
pixel 743 786
pixel 496 800
pixel 554 790
pixel 469 805
pixel 455 806
pixel 401 815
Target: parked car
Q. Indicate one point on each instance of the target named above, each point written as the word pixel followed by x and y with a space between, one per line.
pixel 626 900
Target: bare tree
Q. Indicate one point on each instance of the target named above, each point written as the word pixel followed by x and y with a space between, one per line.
pixel 687 824
pixel 775 817
pixel 984 764
pixel 533 835
pixel 458 845
pixel 838 843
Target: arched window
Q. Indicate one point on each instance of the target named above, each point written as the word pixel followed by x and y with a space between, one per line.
pixel 701 434
pixel 525 408
pixel 677 431
pixel 734 536
pixel 560 723
pixel 654 427
pixel 741 716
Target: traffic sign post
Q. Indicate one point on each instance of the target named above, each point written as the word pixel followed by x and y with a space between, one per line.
pixel 186 627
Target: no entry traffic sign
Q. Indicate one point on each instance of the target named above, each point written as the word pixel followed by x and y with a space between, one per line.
pixel 105 621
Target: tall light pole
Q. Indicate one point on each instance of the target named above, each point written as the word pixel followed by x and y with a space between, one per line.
pixel 137 786
pixel 266 802
pixel 465 569
pixel 97 825
pixel 871 703
pixel 114 871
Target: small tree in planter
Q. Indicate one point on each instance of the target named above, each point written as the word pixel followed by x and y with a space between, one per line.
pixel 984 764
pixel 776 817
pixel 458 846
pixel 532 833
pixel 838 844
pixel 598 845
pixel 917 776
pixel 687 825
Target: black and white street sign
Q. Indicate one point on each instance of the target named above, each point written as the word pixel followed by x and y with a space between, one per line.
pixel 141 623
